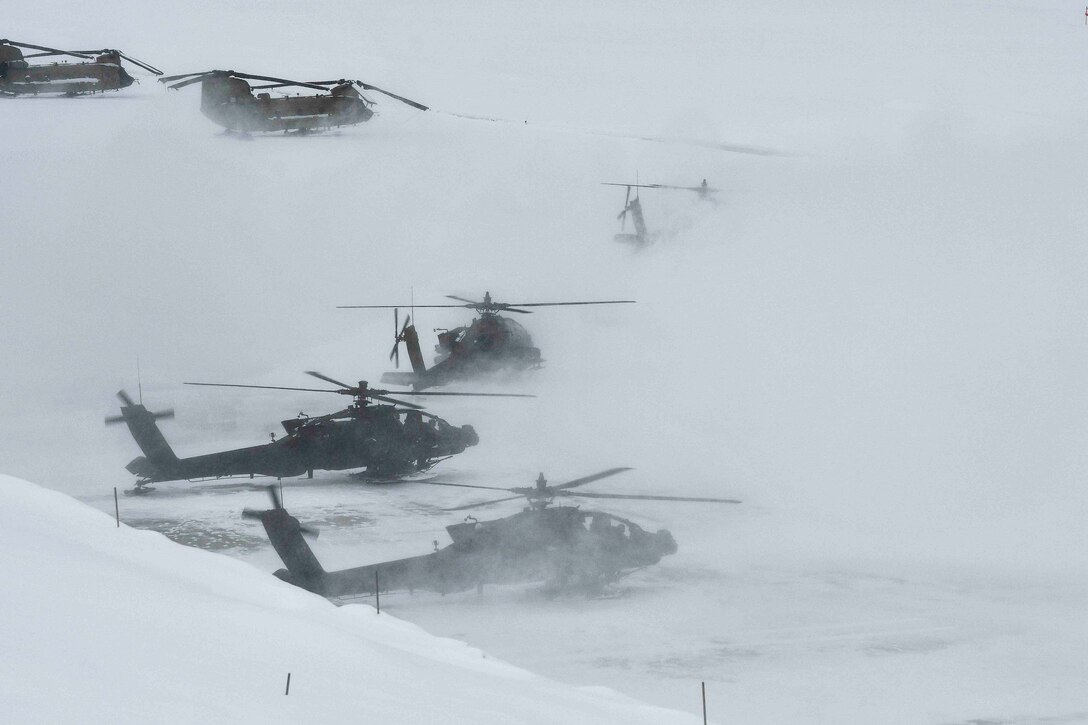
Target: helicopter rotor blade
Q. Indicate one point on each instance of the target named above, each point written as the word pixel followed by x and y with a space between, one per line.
pixel 166 414
pixel 468 303
pixel 396 336
pixel 469 395
pixel 566 304
pixel 483 503
pixel 463 485
pixel 125 398
pixel 195 79
pixel 327 379
pixel 49 51
pixel 282 81
pixel 402 99
pixel 168 79
pixel 394 401
pixel 583 494
pixel 145 66
pixel 507 308
pixel 591 478
pixel 114 419
pixel 266 387
pixel 387 307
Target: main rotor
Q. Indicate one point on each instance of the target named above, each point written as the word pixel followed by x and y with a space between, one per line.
pixel 488 306
pixel 185 79
pixel 541 495
pixel 362 393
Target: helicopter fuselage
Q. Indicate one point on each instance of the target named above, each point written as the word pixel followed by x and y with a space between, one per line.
pixel 381 438
pixel 18 77
pixel 231 103
pixel 564 546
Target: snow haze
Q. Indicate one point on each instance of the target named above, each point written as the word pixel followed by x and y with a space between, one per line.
pixel 875 340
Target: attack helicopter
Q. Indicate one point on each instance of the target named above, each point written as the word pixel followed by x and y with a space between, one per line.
pixel 567 548
pixel 389 441
pixel 227 98
pixel 488 345
pixel 642 235
pixel 102 71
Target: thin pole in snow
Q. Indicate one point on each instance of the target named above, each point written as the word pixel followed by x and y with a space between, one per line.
pixel 377 593
pixel 704 703
pixel 288 690
pixel 116 508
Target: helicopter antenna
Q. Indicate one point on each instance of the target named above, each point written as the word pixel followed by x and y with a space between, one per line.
pixel 139 380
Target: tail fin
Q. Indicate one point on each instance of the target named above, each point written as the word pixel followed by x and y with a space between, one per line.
pixel 411 343
pixel 408 336
pixel 286 534
pixel 158 456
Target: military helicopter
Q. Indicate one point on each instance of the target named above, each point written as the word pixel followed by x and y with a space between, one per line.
pixel 568 548
pixel 388 441
pixel 642 235
pixel 489 344
pixel 227 98
pixel 102 72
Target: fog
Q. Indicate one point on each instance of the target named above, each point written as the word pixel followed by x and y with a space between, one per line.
pixel 875 339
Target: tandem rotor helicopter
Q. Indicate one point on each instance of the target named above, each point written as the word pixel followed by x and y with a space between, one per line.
pixel 489 344
pixel 567 548
pixel 642 235
pixel 227 98
pixel 389 441
pixel 102 71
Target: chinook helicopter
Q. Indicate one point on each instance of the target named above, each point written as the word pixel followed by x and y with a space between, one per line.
pixel 386 440
pixel 102 72
pixel 227 98
pixel 642 235
pixel 567 548
pixel 489 344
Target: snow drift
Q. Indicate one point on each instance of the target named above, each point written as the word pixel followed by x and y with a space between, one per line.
pixel 102 624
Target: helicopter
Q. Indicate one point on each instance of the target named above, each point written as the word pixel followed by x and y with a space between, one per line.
pixel 567 548
pixel 102 72
pixel 388 441
pixel 642 235
pixel 489 344
pixel 227 98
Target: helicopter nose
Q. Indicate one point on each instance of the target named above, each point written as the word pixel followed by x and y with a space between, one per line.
pixel 471 438
pixel 665 542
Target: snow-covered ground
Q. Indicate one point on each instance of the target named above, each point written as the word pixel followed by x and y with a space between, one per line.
pixel 875 340
pixel 108 625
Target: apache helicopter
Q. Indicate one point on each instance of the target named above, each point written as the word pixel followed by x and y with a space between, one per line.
pixel 385 439
pixel 227 99
pixel 642 236
pixel 564 546
pixel 489 344
pixel 103 72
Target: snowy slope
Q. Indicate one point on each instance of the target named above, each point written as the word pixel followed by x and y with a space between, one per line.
pixel 876 342
pixel 110 625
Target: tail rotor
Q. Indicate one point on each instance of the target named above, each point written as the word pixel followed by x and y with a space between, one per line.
pixel 399 337
pixel 130 405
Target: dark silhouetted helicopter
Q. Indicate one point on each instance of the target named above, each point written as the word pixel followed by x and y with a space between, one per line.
pixel 568 548
pixel 102 72
pixel 489 344
pixel 642 236
pixel 228 99
pixel 385 439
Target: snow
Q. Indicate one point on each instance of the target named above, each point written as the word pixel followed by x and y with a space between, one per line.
pixel 876 340
pixel 118 625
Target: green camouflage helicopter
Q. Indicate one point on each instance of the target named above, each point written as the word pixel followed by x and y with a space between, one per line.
pixel 227 98
pixel 103 71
